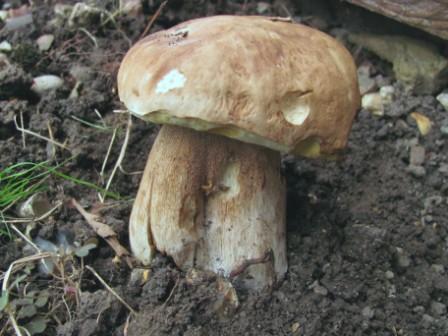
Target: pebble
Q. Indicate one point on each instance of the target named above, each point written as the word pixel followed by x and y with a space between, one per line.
pixel 427 318
pixel 368 312
pixel 5 46
pixel 373 103
pixel 419 309
pixel 44 42
pixel 366 83
pixel 45 83
pixel 443 99
pixel 387 94
pixel 417 155
pixel 136 278
pixel 417 171
pixel 438 308
pixel 318 288
pixel 403 260
pixel 263 7
pixel 3 15
pixel 444 128
pixel 389 275
pixel 443 169
pixel 432 201
pixel 18 22
pixel 438 268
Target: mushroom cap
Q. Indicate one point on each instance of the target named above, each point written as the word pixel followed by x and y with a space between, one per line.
pixel 260 80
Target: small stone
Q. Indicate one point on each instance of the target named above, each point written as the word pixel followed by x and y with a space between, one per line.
pixel 131 6
pixel 3 15
pixel 366 83
pixel 443 169
pixel 444 130
pixel 438 308
pixel 137 277
pixel 417 155
pixel 373 103
pixel 387 94
pixel 402 259
pixel 18 22
pixel 443 99
pixel 427 318
pixel 5 46
pixel 46 83
pixel 44 42
pixel 418 309
pixel 432 201
pixel 389 275
pixel 295 327
pixel 318 288
pixel 438 268
pixel 263 7
pixel 368 312
pixel 392 291
pixel 416 171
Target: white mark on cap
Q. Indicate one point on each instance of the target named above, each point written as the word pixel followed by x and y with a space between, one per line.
pixel 296 114
pixel 172 80
pixel 296 106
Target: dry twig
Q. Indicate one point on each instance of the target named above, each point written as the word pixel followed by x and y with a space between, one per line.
pixel 153 18
pixel 110 289
pixel 37 135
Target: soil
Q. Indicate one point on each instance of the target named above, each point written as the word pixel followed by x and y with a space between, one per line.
pixel 367 234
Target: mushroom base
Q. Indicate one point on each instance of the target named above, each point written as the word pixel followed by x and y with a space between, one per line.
pixel 214 204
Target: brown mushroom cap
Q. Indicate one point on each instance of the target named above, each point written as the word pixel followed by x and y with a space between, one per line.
pixel 272 83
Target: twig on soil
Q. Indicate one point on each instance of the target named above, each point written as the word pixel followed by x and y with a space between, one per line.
pixel 50 133
pixel 171 293
pixel 23 133
pixel 153 18
pixel 37 135
pixel 120 156
pixel 90 36
pixel 24 237
pixel 14 324
pixel 105 232
pixel 118 297
pixel 42 217
pixel 100 117
pixel 126 325
pixel 109 149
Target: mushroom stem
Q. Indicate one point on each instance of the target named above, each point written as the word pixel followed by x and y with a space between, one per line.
pixel 212 203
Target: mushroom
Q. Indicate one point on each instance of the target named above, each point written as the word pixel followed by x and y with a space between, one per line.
pixel 232 92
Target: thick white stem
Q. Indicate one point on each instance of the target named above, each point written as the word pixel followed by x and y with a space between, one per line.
pixel 212 203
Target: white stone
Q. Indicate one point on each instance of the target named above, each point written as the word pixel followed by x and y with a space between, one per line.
pixel 5 46
pixel 443 99
pixel 45 83
pixel 44 42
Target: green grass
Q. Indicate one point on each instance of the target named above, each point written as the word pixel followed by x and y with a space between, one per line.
pixel 21 180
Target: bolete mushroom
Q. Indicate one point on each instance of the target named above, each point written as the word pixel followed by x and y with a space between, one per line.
pixel 232 92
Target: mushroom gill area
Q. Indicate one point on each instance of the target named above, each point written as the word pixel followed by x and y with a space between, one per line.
pixel 309 147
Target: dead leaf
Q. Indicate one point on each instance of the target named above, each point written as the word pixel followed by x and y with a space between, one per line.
pixel 424 124
pixel 104 231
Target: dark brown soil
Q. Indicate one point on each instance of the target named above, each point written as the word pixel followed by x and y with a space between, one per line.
pixel 367 235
